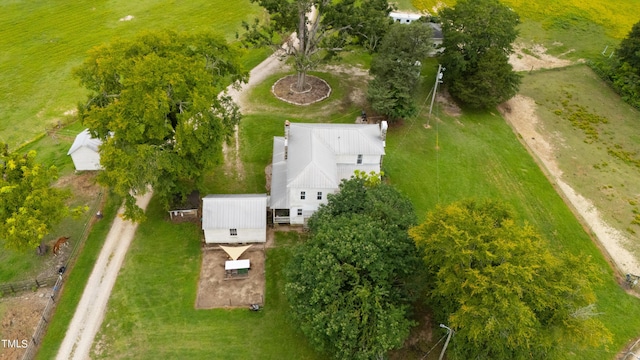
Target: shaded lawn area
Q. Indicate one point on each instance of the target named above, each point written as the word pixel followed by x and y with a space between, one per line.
pixel 151 312
pixel 479 156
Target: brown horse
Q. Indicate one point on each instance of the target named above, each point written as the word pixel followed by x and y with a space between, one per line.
pixel 60 242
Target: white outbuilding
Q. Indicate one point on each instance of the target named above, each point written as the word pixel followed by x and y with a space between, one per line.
pixel 234 219
pixel 84 152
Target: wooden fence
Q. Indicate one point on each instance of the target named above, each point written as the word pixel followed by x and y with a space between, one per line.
pixel 26 285
pixel 41 329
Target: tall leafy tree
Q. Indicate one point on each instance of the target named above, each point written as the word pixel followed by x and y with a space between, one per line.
pixel 396 69
pixel 501 289
pixel 477 43
pixel 154 102
pixel 318 25
pixel 29 206
pixel 349 284
pixel 629 49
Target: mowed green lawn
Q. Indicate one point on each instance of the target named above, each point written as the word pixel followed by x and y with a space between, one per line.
pixel 42 41
pixel 151 311
pixel 477 155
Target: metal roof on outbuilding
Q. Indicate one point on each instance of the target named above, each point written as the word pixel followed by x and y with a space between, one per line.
pixel 84 139
pixel 234 211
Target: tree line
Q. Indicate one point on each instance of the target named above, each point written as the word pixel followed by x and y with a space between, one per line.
pixel 621 70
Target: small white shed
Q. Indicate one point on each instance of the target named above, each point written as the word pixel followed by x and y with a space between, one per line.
pixel 84 152
pixel 234 219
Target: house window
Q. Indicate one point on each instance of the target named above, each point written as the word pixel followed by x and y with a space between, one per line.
pixel 319 195
pixel 303 195
pixel 233 232
pixel 360 159
pixel 299 212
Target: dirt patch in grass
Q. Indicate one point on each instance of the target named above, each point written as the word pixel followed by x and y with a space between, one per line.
pixel 534 57
pixel 315 90
pixel 214 291
pixel 19 320
pixel 82 184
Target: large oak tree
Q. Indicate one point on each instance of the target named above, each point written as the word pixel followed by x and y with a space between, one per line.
pixel 154 101
pixel 477 43
pixel 321 27
pixel 498 285
pixel 348 285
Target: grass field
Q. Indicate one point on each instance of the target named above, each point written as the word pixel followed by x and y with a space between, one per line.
pixel 598 136
pixel 478 156
pixel 151 313
pixel 43 40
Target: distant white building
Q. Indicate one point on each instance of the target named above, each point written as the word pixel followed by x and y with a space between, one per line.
pixel 310 161
pixel 407 18
pixel 233 219
pixel 84 152
pixel 404 18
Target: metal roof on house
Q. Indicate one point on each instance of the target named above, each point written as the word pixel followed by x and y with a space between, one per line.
pixel 84 139
pixel 343 139
pixel 279 198
pixel 313 149
pixel 235 211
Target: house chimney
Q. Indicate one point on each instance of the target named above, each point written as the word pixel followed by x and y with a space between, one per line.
pixel 383 132
pixel 286 138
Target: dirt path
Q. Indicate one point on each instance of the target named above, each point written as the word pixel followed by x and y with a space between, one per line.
pixel 90 311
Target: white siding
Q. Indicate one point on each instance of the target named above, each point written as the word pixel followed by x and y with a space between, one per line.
pixel 86 159
pixel 223 236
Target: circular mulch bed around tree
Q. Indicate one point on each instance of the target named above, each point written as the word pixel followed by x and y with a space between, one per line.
pixel 316 90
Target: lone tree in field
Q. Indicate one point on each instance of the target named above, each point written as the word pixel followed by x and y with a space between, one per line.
pixel 321 27
pixel 29 206
pixel 348 285
pixel 501 289
pixel 396 69
pixel 477 43
pixel 154 102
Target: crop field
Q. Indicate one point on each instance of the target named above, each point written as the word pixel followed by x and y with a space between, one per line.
pixel 573 28
pixel 42 41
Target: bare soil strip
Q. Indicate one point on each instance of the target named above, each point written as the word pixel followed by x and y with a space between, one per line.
pixel 90 311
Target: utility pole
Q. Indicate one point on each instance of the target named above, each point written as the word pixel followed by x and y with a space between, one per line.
pixel 444 348
pixel 435 88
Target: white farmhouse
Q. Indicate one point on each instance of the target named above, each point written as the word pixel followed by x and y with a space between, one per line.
pixel 310 161
pixel 84 152
pixel 234 219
